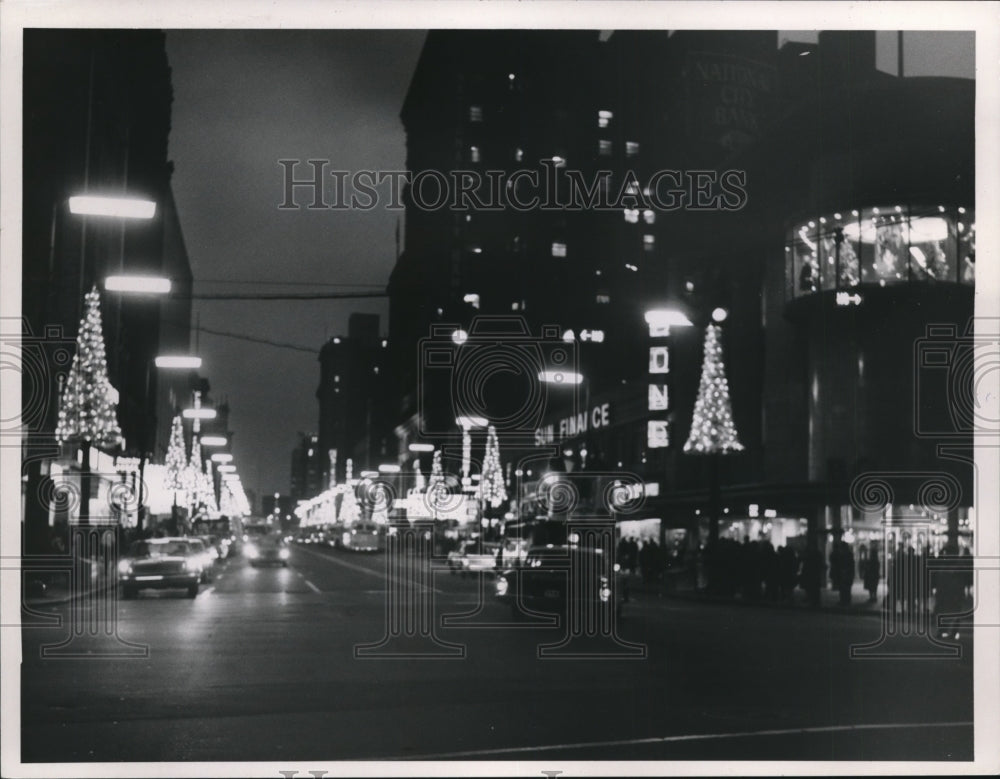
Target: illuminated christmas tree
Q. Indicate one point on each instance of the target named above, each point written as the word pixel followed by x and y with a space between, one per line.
pixel 350 512
pixel 207 493
pixel 176 460
pixel 193 475
pixel 712 427
pixel 491 484
pixel 87 411
pixel 227 504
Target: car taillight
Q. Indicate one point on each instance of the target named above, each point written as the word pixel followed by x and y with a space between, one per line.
pixel 125 567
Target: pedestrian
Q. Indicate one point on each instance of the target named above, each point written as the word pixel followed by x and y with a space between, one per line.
pixel 811 578
pixel 769 568
pixel 842 568
pixel 788 571
pixel 871 573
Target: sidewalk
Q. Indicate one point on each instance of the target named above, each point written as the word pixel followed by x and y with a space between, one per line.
pixel 829 599
pixel 51 588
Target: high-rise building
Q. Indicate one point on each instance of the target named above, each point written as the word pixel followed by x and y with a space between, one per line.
pixel 352 420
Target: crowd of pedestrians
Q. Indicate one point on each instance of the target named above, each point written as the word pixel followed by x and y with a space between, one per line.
pixel 755 570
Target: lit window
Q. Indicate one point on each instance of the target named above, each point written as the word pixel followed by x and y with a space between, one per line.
pixel 515 306
pixel 631 148
pixel 631 267
pixel 604 117
pixel 472 299
pixel 604 298
pixel 474 154
pixel 558 250
pixel 604 148
pixel 648 242
pixel 649 216
pixel 518 154
pixel 475 113
pixel 336 379
pixel 632 215
pixel 476 249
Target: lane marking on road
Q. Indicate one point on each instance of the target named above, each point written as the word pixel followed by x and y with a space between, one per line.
pixel 686 737
pixel 360 568
pixel 309 584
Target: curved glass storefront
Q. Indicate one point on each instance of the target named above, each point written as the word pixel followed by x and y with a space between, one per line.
pixel 881 245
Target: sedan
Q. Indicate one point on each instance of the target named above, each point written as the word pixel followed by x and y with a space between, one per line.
pixel 159 563
pixel 554 576
pixel 267 549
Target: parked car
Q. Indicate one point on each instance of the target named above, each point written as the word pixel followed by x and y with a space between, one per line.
pixel 542 583
pixel 159 563
pixel 269 549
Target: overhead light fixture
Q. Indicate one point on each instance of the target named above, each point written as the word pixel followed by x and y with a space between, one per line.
pixel 142 285
pixel 178 361
pixel 226 469
pixel 667 317
pixel 389 468
pixel 222 457
pixel 560 377
pixel 214 440
pixel 200 413
pixel 469 421
pixel 123 207
pixel 421 447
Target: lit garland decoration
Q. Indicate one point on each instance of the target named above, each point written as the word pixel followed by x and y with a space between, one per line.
pixel 175 460
pixel 712 427
pixel 87 411
pixel 491 484
pixel 466 452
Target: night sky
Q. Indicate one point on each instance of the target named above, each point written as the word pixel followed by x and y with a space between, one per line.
pixel 245 99
pixel 242 101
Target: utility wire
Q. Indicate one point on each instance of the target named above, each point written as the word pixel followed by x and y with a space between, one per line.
pixel 279 295
pixel 256 339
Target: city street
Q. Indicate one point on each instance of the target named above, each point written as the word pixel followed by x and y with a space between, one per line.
pixel 261 666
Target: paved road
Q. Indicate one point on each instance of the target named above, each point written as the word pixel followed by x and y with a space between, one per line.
pixel 262 665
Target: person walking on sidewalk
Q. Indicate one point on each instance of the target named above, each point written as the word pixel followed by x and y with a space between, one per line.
pixel 871 573
pixel 811 578
pixel 842 567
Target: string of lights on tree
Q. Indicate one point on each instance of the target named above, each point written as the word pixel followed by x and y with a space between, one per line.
pixel 350 512
pixel 492 489
pixel 192 474
pixel 712 428
pixel 207 493
pixel 87 410
pixel 175 460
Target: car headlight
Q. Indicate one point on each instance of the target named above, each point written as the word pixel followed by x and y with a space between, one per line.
pixel 213 553
pixel 502 585
pixel 283 554
pixel 125 567
pixel 252 552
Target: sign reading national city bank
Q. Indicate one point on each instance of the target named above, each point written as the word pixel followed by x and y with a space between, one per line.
pixel 569 427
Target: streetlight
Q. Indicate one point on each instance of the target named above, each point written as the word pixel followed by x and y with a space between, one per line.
pixel 121 207
pixel 138 284
pixel 178 361
pixel 199 413
pixel 214 440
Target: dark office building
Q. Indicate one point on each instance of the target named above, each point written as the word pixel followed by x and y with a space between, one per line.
pixel 353 423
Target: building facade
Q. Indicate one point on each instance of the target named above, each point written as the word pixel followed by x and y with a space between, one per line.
pixel 96 121
pixel 842 249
